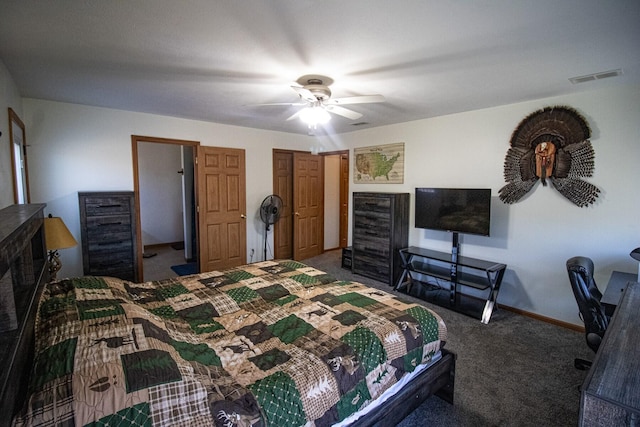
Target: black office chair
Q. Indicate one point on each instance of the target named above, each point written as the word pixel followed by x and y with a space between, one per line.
pixel 588 297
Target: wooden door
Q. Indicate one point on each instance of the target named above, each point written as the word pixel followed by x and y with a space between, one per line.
pixel 221 208
pixel 344 199
pixel 283 187
pixel 308 205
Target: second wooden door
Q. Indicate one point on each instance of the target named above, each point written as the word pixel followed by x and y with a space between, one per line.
pixel 221 208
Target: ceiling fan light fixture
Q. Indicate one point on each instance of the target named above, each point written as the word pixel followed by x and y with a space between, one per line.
pixel 315 115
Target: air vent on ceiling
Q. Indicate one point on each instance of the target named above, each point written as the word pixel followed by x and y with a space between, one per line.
pixel 596 76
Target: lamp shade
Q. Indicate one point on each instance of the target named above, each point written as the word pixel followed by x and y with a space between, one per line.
pixel 57 234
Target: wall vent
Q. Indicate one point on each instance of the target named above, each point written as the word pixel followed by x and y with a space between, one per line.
pixel 596 76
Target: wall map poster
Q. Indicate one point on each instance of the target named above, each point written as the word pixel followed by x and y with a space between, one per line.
pixel 380 164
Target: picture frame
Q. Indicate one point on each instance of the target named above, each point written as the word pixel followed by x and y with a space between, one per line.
pixel 18 141
pixel 379 164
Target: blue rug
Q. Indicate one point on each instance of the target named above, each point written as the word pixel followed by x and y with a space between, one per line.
pixel 185 269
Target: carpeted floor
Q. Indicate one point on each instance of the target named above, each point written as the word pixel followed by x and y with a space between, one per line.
pixel 514 371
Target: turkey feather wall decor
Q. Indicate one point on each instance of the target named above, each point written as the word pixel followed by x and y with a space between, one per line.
pixel 551 144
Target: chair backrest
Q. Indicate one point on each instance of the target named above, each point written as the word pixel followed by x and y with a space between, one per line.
pixel 588 297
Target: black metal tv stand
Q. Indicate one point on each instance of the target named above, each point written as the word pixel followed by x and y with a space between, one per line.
pixel 447 274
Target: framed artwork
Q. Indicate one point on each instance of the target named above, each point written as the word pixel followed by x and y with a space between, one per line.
pixel 379 164
pixel 18 159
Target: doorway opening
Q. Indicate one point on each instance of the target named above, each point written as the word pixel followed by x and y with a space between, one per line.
pixel 164 186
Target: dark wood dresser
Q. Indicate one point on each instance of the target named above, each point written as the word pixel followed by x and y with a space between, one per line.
pixel 23 273
pixel 380 230
pixel 108 228
pixel 611 391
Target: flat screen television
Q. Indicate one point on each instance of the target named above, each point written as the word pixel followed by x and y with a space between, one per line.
pixel 458 210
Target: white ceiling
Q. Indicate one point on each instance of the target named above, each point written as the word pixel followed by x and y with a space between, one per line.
pixel 210 60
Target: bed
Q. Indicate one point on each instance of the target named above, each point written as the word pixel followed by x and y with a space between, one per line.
pixel 275 343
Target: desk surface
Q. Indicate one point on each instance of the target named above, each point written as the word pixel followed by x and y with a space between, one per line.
pixel 617 283
pixel 614 377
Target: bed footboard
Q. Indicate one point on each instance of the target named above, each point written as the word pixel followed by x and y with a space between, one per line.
pixel 438 379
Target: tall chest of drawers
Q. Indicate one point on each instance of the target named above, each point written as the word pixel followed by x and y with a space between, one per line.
pixel 380 230
pixel 108 228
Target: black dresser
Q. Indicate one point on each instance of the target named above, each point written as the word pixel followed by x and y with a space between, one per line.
pixel 380 230
pixel 108 227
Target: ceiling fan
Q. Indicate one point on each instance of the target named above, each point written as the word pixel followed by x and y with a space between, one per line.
pixel 315 96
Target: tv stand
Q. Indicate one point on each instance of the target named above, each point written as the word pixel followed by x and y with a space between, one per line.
pixel 447 276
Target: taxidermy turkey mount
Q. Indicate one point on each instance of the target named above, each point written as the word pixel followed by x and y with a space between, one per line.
pixel 315 95
pixel 551 144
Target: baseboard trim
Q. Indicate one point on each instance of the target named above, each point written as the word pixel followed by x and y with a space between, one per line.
pixel 160 245
pixel 546 319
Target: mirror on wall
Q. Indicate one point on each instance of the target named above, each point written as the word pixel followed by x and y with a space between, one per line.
pixel 18 159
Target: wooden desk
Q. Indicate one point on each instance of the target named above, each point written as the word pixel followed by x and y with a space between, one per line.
pixel 611 391
pixel 617 283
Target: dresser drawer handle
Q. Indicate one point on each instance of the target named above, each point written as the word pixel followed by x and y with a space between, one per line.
pixel 110 243
pixel 111 264
pixel 110 223
pixel 110 206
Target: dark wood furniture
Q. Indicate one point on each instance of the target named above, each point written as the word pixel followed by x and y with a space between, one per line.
pixel 617 284
pixel 611 391
pixel 108 228
pixel 23 272
pixel 438 380
pixel 380 229
pixel 450 275
pixel 346 258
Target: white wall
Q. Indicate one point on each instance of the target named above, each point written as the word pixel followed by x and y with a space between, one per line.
pixel 77 148
pixel 331 201
pixel 9 98
pixel 535 236
pixel 160 193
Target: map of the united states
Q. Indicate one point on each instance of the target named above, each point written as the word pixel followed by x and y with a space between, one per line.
pixel 375 165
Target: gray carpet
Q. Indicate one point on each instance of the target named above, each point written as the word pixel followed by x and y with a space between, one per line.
pixel 514 371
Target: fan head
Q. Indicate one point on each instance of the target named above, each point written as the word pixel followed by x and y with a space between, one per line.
pixel 316 85
pixel 270 209
pixel 315 97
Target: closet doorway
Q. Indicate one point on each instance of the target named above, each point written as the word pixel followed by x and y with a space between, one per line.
pixel 164 185
pixel 315 192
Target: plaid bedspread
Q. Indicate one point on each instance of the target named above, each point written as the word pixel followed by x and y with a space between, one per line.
pixel 275 343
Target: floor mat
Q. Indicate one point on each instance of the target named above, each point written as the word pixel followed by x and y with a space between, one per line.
pixel 185 269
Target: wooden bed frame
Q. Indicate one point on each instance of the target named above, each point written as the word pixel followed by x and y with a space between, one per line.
pixel 23 272
pixel 22 252
pixel 438 380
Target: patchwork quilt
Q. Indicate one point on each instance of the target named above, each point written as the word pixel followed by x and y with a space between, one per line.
pixel 276 343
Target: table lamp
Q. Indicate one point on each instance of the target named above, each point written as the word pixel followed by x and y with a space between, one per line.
pixel 57 236
pixel 635 254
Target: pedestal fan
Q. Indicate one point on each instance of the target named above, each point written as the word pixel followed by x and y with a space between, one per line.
pixel 270 210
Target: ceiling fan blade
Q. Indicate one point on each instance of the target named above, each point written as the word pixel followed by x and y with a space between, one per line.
pixel 294 115
pixel 344 112
pixel 364 99
pixel 288 104
pixel 305 93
